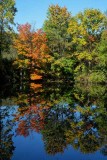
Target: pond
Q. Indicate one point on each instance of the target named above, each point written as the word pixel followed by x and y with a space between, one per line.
pixel 54 121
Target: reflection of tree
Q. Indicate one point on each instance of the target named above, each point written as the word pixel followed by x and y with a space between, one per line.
pixel 6 124
pixel 54 138
pixel 34 106
pixel 55 126
pixel 90 143
pixel 32 119
pixel 104 150
pixel 63 115
pixel 88 128
pixel 39 110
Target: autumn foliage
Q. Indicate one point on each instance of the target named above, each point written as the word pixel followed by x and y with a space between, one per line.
pixel 32 50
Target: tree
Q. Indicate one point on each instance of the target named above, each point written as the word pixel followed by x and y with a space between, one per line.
pixel 7 13
pixel 102 57
pixel 32 50
pixel 56 26
pixel 56 29
pixel 86 30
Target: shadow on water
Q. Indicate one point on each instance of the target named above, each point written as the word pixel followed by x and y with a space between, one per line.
pixel 64 114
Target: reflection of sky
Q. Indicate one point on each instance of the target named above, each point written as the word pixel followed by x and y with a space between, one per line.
pixel 62 108
pixel 7 113
pixel 93 107
pixel 77 116
pixel 32 148
pixel 93 131
pixel 7 116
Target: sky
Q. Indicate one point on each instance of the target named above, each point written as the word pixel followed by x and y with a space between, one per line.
pixel 35 11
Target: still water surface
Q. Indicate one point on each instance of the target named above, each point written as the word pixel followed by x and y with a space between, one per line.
pixel 53 122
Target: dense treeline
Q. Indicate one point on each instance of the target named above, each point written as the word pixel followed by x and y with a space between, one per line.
pixel 7 52
pixel 67 47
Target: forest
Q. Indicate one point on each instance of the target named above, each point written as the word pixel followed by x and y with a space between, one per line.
pixel 67 48
pixel 53 85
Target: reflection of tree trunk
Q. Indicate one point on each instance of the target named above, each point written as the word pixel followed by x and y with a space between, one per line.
pixel 30 97
pixel 57 115
pixel 62 117
pixel 21 79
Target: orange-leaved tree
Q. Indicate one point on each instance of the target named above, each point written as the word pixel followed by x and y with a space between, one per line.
pixel 32 51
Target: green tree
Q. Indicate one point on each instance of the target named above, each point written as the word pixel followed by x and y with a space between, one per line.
pixel 7 13
pixel 86 29
pixel 102 58
pixel 56 29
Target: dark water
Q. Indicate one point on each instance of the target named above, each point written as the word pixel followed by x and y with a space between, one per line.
pixel 53 122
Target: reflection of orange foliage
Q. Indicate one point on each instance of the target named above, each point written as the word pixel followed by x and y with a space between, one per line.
pixel 37 125
pixel 22 129
pixel 34 120
pixel 38 110
pixel 35 86
pixel 35 77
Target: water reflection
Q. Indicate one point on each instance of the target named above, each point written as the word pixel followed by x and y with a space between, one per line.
pixel 63 115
